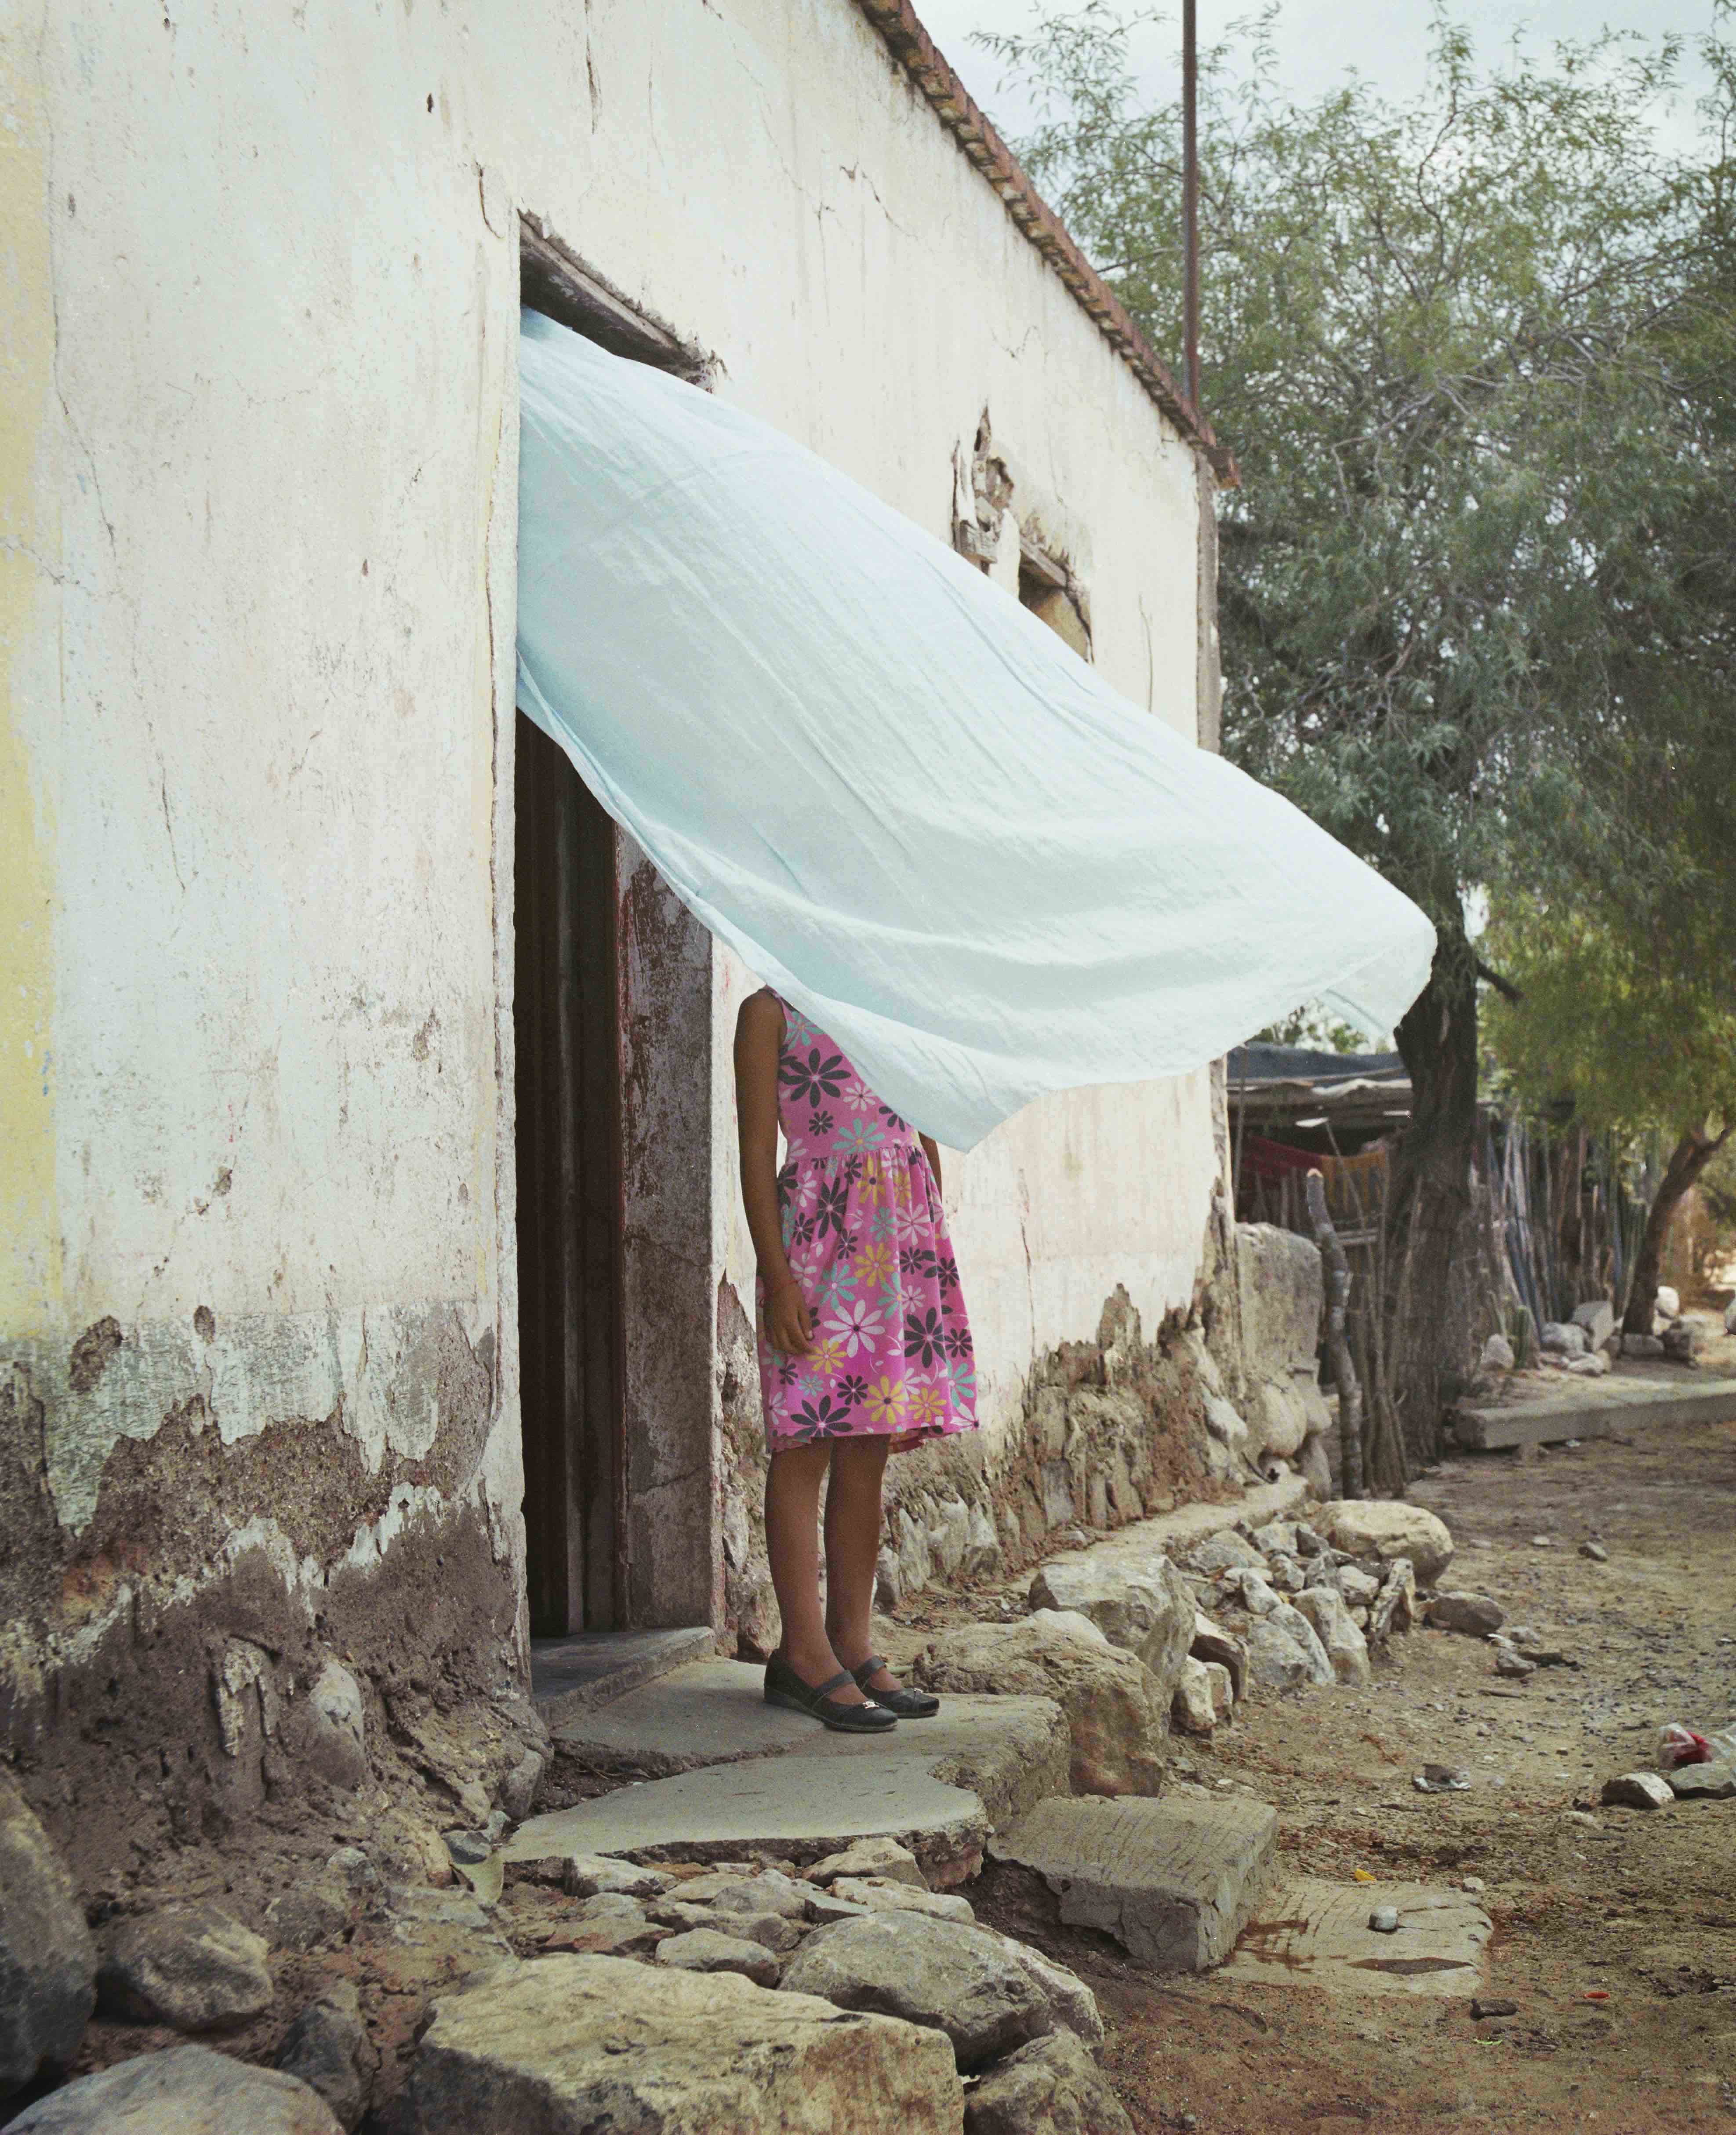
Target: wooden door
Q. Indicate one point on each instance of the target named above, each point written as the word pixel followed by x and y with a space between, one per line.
pixel 567 1022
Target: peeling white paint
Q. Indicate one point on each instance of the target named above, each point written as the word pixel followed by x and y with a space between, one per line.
pixel 359 1367
pixel 267 715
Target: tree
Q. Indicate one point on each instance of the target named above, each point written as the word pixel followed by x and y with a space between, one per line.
pixel 1445 341
pixel 1635 1029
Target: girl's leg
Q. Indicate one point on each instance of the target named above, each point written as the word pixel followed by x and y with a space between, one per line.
pixel 792 1523
pixel 853 1543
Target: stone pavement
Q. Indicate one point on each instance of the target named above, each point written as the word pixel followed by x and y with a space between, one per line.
pixel 1314 1934
pixel 1175 1879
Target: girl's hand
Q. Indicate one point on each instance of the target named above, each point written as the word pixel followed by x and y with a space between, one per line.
pixel 790 1324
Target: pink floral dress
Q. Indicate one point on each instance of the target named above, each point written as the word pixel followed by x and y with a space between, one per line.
pixel 866 1238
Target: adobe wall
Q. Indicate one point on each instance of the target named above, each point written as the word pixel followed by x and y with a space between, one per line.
pixel 257 1313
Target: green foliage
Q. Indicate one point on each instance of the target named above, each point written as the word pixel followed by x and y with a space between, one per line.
pixel 1612 1021
pixel 1475 357
pixel 1718 1185
pixel 1311 1026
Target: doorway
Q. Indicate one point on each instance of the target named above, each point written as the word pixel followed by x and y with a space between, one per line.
pixel 567 1026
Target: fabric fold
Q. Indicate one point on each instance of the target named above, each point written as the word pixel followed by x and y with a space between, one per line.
pixel 902 800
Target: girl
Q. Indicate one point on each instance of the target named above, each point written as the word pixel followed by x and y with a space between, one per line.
pixel 864 1347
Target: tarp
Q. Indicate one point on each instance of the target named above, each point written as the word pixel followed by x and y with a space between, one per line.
pixel 902 800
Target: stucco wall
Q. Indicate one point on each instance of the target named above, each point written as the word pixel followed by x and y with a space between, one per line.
pixel 258 489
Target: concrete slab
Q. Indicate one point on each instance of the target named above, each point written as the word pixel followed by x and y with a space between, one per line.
pixel 1008 1751
pixel 1595 1408
pixel 569 1676
pixel 1314 1934
pixel 1173 1881
pixel 796 1808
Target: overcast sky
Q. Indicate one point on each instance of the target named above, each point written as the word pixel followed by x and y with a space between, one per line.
pixel 1317 40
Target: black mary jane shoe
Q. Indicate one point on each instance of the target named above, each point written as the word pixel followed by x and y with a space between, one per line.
pixel 785 1686
pixel 905 1704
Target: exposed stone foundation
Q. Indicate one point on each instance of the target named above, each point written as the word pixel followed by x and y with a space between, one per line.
pixel 1111 1429
pixel 266 1629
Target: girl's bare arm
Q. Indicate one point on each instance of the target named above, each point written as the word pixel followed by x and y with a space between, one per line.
pixel 759 1033
pixel 933 1154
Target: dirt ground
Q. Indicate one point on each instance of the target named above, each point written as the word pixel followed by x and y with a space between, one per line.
pixel 1615 1929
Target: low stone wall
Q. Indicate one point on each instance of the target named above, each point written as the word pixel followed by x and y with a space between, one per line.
pixel 1112 1429
pixel 1221 1396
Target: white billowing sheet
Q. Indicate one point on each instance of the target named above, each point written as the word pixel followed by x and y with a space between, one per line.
pixel 900 797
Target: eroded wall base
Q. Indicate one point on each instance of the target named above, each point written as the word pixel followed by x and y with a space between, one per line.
pixel 161 1659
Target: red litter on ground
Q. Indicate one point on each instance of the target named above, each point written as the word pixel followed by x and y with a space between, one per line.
pixel 1596 1994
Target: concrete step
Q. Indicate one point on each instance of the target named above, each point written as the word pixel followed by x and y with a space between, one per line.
pixel 569 1676
pixel 746 1777
pixel 1314 1934
pixel 1594 1408
pixel 1008 1751
pixel 1173 1881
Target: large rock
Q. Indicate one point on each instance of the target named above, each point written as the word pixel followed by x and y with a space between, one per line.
pixel 1277 1662
pixel 1117 1716
pixel 1141 1605
pixel 1387 1527
pixel 1637 1790
pixel 1475 1614
pixel 1668 1303
pixel 1597 1316
pixel 191 1967
pixel 187 2091
pixel 1314 1464
pixel 1498 1355
pixel 880 1894
pixel 569 2043
pixel 1192 1708
pixel 884 1857
pixel 327 2048
pixel 327 1729
pixel 1050 2087
pixel 309 1914
pixel 1227 1551
pixel 1073 2006
pixel 1563 1338
pixel 1213 1643
pixel 1230 1452
pixel 1346 1647
pixel 705 1949
pixel 769 1930
pixel 47 1959
pixel 1255 1591
pixel 1713 1782
pixel 769 1892
pixel 940 1974
pixel 1283 1292
pixel 1393 1608
pixel 1297 1627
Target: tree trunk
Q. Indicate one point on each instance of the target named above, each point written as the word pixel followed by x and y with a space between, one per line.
pixel 1428 1202
pixel 1688 1158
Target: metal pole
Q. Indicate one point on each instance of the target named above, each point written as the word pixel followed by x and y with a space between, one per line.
pixel 1190 206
